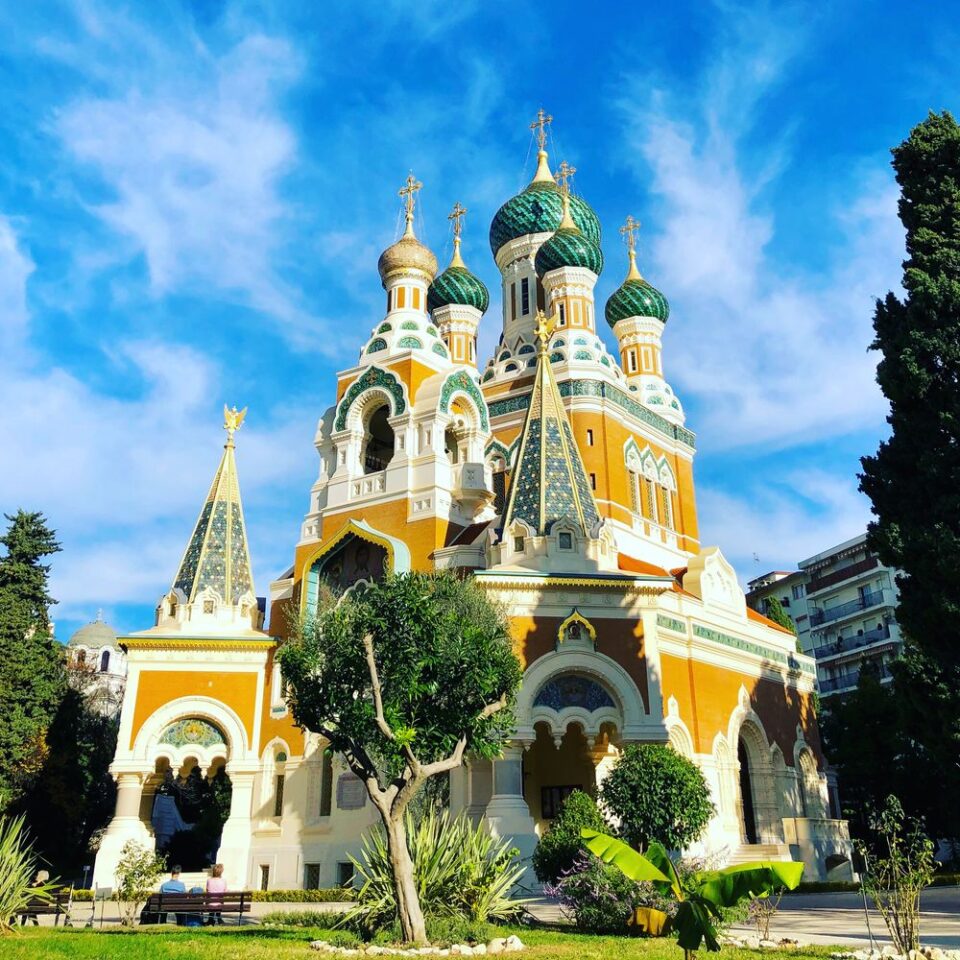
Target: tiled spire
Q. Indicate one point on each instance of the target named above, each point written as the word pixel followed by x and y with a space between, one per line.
pixel 217 557
pixel 549 481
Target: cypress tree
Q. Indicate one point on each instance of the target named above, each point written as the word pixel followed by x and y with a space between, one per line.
pixel 778 615
pixel 913 480
pixel 32 674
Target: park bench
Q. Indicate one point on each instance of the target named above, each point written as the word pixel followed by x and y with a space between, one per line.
pixel 57 906
pixel 193 904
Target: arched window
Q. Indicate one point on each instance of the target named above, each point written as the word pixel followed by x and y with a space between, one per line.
pixel 378 441
pixel 81 657
pixel 105 661
pixel 326 783
pixel 667 502
pixel 451 444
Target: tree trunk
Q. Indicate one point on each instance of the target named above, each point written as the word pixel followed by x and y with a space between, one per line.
pixel 408 900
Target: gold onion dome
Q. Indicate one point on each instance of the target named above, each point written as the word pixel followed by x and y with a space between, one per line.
pixel 408 253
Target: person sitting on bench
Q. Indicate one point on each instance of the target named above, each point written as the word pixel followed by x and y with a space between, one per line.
pixel 175 885
pixel 216 884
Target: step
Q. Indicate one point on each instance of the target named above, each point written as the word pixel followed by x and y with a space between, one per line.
pixel 750 852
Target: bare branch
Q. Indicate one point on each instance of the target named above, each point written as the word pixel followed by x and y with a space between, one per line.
pixel 491 708
pixel 385 728
pixel 448 763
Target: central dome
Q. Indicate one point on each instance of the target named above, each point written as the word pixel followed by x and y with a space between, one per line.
pixel 539 209
pixel 408 253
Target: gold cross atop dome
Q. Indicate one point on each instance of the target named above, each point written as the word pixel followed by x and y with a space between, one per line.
pixel 408 192
pixel 629 232
pixel 540 125
pixel 232 419
pixel 456 215
pixel 564 174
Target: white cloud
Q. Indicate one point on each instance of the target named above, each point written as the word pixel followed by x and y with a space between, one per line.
pixel 15 268
pixel 770 352
pixel 193 151
pixel 782 524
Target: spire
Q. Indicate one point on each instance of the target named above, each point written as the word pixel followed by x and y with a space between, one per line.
pixel 540 125
pixel 456 215
pixel 550 481
pixel 629 232
pixel 217 557
pixel 408 192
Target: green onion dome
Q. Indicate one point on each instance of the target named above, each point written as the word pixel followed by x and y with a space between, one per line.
pixel 636 298
pixel 569 248
pixel 458 285
pixel 539 209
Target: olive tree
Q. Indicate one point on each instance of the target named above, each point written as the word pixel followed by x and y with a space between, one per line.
pixel 403 678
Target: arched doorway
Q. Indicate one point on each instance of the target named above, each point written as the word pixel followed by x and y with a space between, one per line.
pixel 748 816
pixel 189 793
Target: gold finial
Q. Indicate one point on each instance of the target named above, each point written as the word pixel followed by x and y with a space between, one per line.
pixel 231 421
pixel 540 125
pixel 543 328
pixel 629 232
pixel 564 174
pixel 408 193
pixel 456 215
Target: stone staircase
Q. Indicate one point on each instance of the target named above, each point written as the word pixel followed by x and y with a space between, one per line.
pixel 751 852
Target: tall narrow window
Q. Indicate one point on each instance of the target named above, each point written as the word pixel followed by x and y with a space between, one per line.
pixel 651 500
pixel 667 507
pixel 264 876
pixel 513 301
pixel 401 297
pixel 416 298
pixel 525 296
pixel 589 438
pixel 632 360
pixel 593 481
pixel 635 482
pixel 278 795
pixel 326 783
pixel 105 661
pixel 562 310
pixel 541 296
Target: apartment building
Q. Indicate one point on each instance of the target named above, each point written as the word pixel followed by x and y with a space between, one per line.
pixel 842 601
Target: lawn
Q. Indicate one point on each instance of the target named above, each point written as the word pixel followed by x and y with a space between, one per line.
pixel 251 943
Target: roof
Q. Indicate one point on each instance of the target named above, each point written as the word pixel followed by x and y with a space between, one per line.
pixel 760 618
pixel 640 566
pixel 217 556
pixel 94 634
pixel 549 481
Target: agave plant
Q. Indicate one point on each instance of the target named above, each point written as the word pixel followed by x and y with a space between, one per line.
pixel 17 864
pixel 460 871
pixel 700 896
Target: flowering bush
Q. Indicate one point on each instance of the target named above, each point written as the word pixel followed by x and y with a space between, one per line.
pixel 599 898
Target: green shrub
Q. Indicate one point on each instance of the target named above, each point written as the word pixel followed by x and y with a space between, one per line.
pixel 561 845
pixel 318 919
pixel 137 874
pixel 17 865
pixel 658 795
pixel 600 898
pixel 328 895
pixel 460 870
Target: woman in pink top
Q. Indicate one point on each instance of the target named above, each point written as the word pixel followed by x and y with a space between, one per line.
pixel 216 884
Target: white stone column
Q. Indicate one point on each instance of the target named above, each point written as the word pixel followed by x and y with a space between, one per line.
pixel 126 825
pixel 234 852
pixel 507 813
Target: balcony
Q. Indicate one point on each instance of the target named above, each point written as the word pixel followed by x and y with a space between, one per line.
pixel 369 484
pixel 472 486
pixel 845 573
pixel 849 681
pixel 846 644
pixel 863 602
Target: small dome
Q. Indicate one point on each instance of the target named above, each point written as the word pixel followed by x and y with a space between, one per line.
pixel 539 209
pixel 636 298
pixel 458 285
pixel 96 634
pixel 408 253
pixel 569 248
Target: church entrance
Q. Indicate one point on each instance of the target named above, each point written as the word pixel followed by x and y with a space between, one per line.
pixel 748 818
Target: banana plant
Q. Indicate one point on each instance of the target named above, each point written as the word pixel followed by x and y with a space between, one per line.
pixel 701 896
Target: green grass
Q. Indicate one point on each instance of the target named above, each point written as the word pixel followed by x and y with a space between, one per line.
pixel 250 943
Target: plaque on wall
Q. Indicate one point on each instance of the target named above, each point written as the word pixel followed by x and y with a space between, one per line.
pixel 351 793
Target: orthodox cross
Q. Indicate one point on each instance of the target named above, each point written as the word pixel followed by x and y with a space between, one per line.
pixel 540 125
pixel 564 173
pixel 407 192
pixel 629 232
pixel 456 215
pixel 232 420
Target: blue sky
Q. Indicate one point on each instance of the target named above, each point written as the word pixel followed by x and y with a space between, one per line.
pixel 193 196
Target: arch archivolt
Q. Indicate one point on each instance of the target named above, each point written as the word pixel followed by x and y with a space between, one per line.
pixel 679 734
pixel 148 749
pixel 374 386
pixel 628 710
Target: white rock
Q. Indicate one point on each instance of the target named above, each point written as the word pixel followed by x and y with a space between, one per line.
pixel 513 943
pixel 480 948
pixel 496 945
pixel 752 942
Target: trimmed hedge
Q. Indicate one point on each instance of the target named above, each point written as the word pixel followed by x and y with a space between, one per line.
pixel 848 886
pixel 330 895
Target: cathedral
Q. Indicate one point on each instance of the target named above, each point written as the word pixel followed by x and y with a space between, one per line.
pixel 557 474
